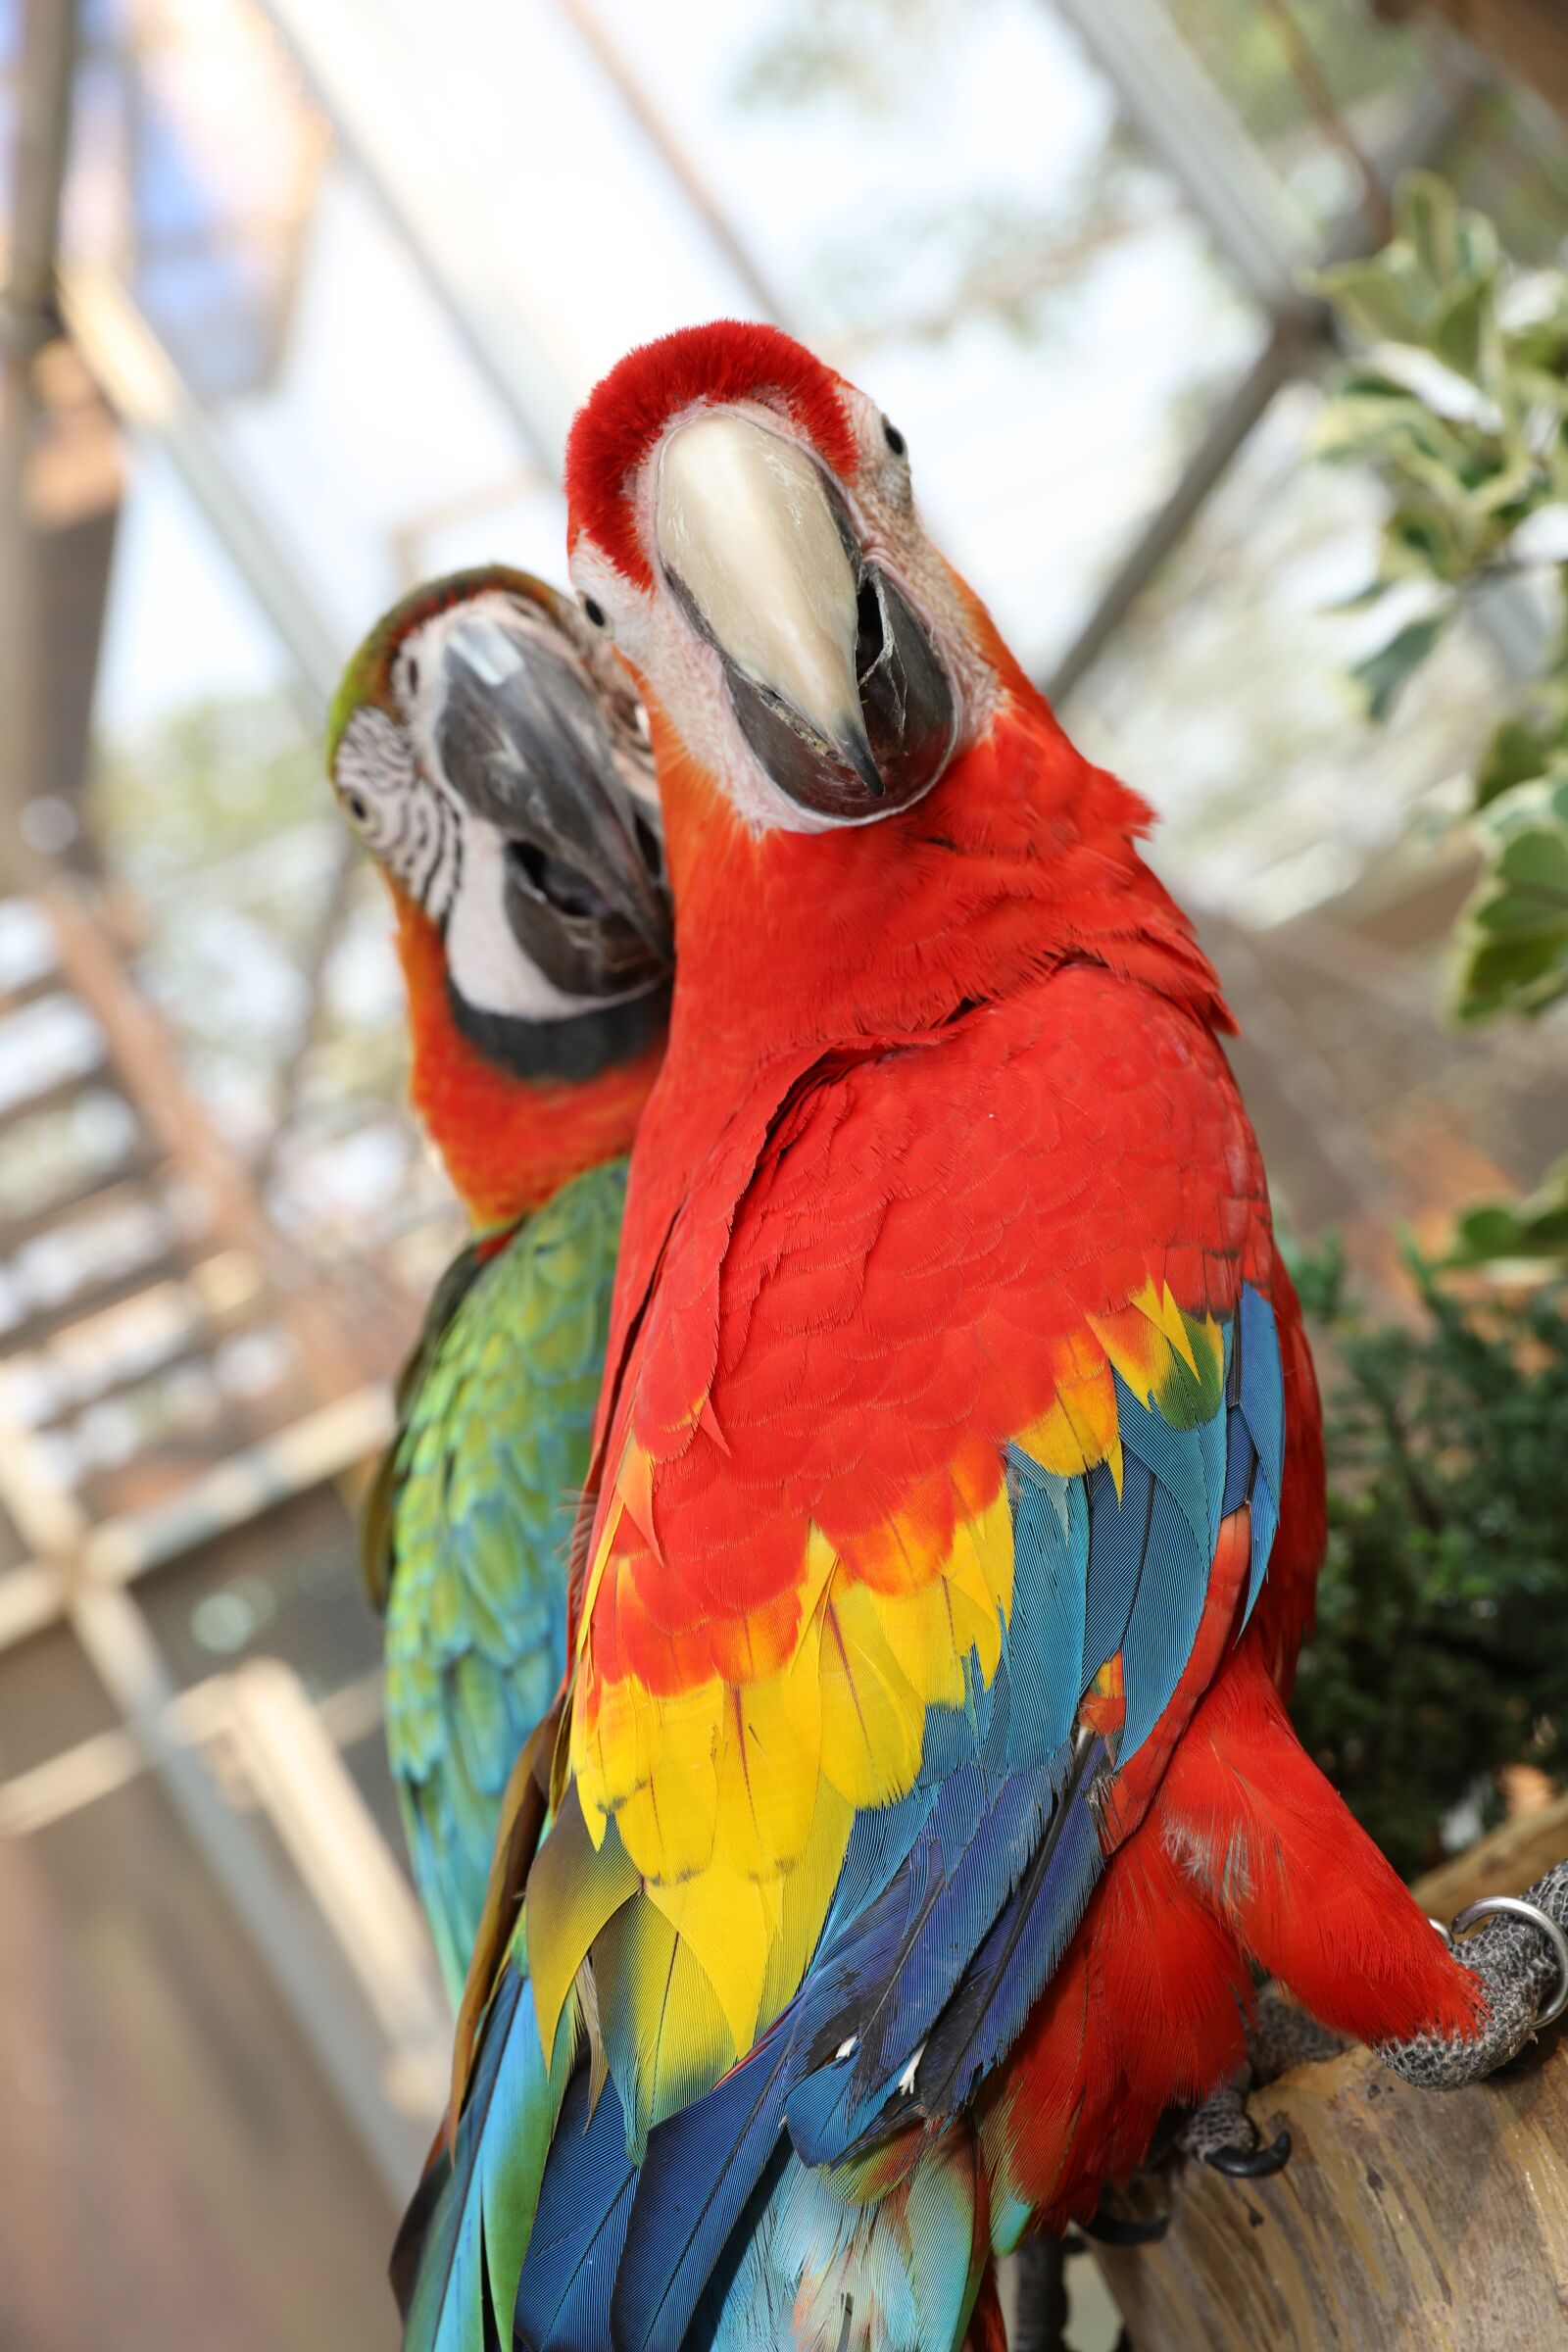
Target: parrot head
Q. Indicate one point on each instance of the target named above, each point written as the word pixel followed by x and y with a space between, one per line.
pixel 744 526
pixel 844 740
pixel 492 754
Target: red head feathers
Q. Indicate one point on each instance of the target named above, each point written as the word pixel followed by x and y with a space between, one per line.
pixel 845 747
pixel 726 361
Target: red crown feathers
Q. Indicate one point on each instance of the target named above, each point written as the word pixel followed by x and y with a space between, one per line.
pixel 629 408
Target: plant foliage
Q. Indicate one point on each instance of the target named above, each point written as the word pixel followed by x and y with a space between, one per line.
pixel 1440 1650
pixel 1459 403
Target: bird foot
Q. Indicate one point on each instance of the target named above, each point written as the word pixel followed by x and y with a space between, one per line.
pixel 1220 2132
pixel 1111 2229
pixel 1517 1946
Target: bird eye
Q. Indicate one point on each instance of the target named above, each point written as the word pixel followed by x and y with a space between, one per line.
pixel 893 439
pixel 595 612
pixel 411 676
pixel 357 806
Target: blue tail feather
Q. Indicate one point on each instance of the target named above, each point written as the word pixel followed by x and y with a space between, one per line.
pixel 1017 1958
pixel 461 2250
pixel 564 2294
pixel 700 2170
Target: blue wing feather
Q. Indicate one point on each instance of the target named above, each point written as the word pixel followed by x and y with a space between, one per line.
pixel 569 2274
pixel 1047 1635
pixel 472 2237
pixel 954 1904
pixel 1118 1532
pixel 702 2170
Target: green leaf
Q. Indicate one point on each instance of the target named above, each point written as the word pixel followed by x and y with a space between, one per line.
pixel 1535 1228
pixel 1426 214
pixel 1381 426
pixel 1384 300
pixel 1512 936
pixel 1517 753
pixel 1385 674
pixel 1462 338
pixel 1536 860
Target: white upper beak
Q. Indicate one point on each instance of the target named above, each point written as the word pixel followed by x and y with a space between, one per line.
pixel 744 521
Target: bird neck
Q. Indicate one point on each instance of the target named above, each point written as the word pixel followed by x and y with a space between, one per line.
pixel 1023 857
pixel 509 1143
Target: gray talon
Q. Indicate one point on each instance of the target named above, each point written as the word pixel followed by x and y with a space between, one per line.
pixel 1253 2164
pixel 1520 1952
pixel 1220 2132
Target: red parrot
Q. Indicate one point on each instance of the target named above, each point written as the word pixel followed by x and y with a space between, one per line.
pixel 923 1791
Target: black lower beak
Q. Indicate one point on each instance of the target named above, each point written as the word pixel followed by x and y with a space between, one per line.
pixel 525 739
pixel 908 715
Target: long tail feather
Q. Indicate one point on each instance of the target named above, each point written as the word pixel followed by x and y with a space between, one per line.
pixel 462 2244
pixel 700 2172
pixel 562 2302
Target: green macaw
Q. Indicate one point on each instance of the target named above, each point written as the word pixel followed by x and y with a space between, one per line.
pixel 493 758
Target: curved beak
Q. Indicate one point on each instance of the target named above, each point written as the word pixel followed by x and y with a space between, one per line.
pixel 521 735
pixel 836 682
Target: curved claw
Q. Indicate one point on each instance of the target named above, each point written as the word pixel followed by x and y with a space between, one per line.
pixel 1252 2164
pixel 1114 2229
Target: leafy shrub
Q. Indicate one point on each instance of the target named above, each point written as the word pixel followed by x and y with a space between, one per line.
pixel 1440 1651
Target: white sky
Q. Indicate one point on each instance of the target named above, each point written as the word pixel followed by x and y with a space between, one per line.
pixel 375 447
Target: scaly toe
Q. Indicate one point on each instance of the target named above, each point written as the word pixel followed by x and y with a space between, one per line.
pixel 1520 1955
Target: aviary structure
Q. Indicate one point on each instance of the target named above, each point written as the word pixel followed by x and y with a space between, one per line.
pixel 493 757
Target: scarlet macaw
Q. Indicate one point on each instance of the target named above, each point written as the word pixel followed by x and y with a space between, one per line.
pixel 492 756
pixel 922 1788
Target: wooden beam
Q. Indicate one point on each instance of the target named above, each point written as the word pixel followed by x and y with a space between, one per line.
pixel 1437 2219
pixel 1528 38
pixel 1511 1859
pixel 147 1066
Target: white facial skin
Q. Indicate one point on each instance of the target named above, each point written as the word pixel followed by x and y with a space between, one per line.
pixel 730 500
pixel 449 858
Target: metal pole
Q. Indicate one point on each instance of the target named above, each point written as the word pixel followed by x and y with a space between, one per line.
pixel 143 386
pixel 322 1448
pixel 116 1640
pixel 42 135
pixel 1197 134
pixel 42 130
pixel 1282 357
pixel 1300 341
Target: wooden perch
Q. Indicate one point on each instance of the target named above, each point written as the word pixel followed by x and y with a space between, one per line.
pixel 1435 2221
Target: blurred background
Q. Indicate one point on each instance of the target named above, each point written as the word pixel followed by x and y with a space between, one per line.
pixel 301 297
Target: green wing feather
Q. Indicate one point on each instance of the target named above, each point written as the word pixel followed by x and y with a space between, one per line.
pixel 466 1530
